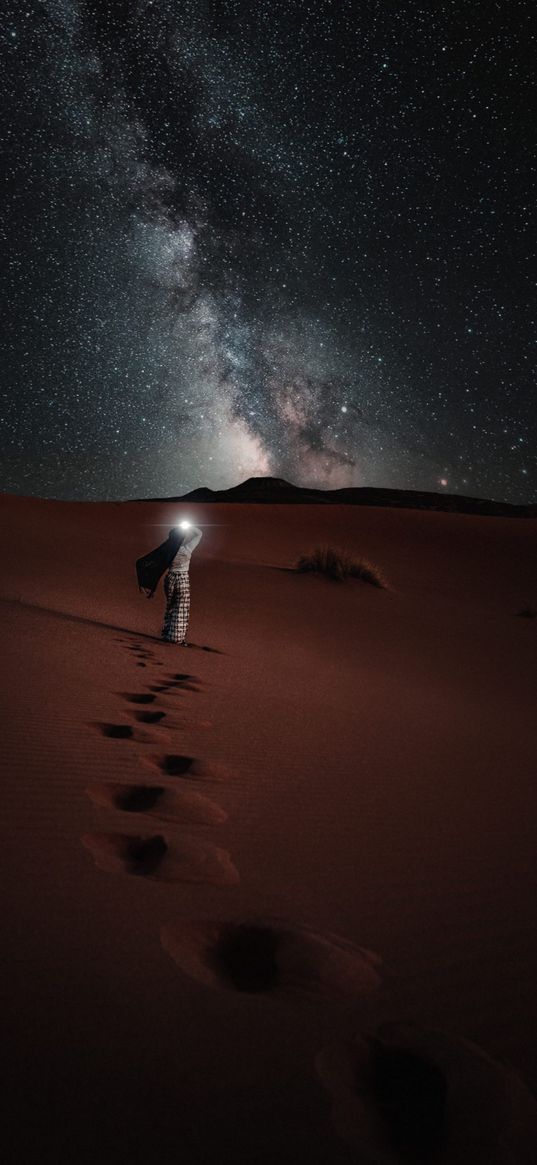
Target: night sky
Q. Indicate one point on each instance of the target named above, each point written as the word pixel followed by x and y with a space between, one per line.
pixel 269 238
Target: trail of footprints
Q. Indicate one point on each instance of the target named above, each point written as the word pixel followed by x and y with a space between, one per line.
pixel 390 1090
pixel 257 956
pixel 160 855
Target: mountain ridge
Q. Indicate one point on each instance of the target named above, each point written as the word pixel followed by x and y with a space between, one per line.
pixel 278 491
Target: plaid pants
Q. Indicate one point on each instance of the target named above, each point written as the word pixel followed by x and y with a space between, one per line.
pixel 177 591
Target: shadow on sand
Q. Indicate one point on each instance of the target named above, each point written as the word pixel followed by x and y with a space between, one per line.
pixel 99 623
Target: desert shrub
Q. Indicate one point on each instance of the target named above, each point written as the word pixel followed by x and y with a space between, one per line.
pixel 337 565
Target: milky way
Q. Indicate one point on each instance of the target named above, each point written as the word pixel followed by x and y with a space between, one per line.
pixel 268 238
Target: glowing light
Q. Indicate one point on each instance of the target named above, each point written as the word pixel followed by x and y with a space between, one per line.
pixel 185 525
pixel 443 481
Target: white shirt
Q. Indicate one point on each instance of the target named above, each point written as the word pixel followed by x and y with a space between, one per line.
pixel 181 561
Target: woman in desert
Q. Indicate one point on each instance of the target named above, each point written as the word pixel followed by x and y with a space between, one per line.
pixel 177 588
pixel 172 557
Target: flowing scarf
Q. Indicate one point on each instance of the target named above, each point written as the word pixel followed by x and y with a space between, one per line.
pixel 151 567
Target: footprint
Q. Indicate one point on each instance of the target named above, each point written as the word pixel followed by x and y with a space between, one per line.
pixel 123 732
pixel 271 957
pixel 177 686
pixel 157 801
pixel 175 764
pixel 178 765
pixel 136 798
pixel 117 731
pixel 156 857
pixel 149 717
pixel 181 680
pixel 141 665
pixel 188 723
pixel 408 1092
pixel 138 698
pixel 165 686
pixel 123 852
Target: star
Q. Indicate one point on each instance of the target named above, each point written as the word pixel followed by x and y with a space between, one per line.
pixel 212 234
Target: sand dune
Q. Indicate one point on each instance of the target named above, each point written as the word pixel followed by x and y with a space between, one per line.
pixel 356 762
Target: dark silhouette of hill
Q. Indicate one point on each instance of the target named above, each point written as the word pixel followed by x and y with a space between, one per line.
pixel 276 491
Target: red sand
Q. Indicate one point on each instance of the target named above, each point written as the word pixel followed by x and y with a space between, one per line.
pixel 375 752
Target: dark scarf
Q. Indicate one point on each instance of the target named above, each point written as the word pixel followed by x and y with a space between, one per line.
pixel 151 567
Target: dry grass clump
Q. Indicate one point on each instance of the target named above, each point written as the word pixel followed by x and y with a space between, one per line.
pixel 337 565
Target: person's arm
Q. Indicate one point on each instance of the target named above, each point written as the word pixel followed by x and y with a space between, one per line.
pixel 193 537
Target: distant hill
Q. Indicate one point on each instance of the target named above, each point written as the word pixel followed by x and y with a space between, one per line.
pixel 276 491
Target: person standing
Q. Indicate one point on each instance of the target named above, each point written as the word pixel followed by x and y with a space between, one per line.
pixel 177 588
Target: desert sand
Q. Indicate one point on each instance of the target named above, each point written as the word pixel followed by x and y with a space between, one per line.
pixel 356 762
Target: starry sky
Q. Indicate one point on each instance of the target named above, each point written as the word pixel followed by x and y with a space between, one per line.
pixel 285 237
